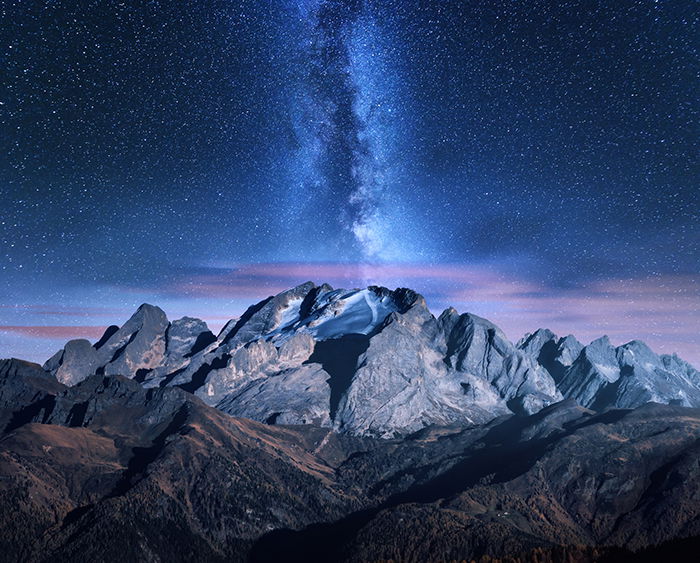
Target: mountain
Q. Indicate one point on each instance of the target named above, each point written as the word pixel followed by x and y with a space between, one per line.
pixel 109 470
pixel 600 376
pixel 347 425
pixel 372 362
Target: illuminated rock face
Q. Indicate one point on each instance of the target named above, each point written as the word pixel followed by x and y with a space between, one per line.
pixel 601 376
pixel 373 362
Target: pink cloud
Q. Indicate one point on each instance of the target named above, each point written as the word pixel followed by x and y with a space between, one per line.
pixel 261 280
pixel 34 309
pixel 67 332
pixel 664 311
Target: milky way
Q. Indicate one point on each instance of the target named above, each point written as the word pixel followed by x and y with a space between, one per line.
pixel 343 124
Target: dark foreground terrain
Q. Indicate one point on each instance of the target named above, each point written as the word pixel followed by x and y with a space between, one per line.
pixel 110 471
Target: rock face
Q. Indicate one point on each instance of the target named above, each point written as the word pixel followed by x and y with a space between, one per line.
pixel 108 470
pixel 477 346
pixel 372 362
pixel 294 396
pixel 24 383
pixel 600 376
pixel 146 343
pixel 404 381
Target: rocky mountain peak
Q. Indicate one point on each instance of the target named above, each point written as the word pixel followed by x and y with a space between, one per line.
pixel 372 361
pixel 146 309
pixel 534 342
pixel 601 376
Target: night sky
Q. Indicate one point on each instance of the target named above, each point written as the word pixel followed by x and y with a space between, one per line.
pixel 533 162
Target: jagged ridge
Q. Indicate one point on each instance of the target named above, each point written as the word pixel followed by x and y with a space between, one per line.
pixel 373 362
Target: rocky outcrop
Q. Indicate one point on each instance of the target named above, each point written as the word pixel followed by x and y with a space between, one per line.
pixel 601 376
pixel 294 396
pixel 75 362
pixel 256 360
pixel 476 346
pixel 147 347
pixel 26 392
pixel 402 383
pixel 553 353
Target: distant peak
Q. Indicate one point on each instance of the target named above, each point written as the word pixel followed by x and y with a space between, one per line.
pixel 302 288
pixel 635 344
pixel 602 342
pixel 146 309
pixel 406 298
pixel 534 341
pixel 542 334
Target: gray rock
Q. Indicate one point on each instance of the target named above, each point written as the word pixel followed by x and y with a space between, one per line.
pixel 227 328
pixel 294 396
pixel 534 343
pixel 600 376
pixel 478 347
pixel 254 360
pixel 555 354
pixel 268 315
pixel 286 331
pixel 184 334
pixel 260 321
pixel 184 338
pixel 147 347
pixel 26 392
pixel 138 345
pixel 682 368
pixel 74 363
pixel 593 372
pixel 108 399
pixel 402 382
pixel 645 377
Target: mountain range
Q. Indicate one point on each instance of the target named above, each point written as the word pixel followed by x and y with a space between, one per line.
pixel 347 425
pixel 373 362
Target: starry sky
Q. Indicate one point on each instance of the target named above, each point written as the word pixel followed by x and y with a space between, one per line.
pixel 532 162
